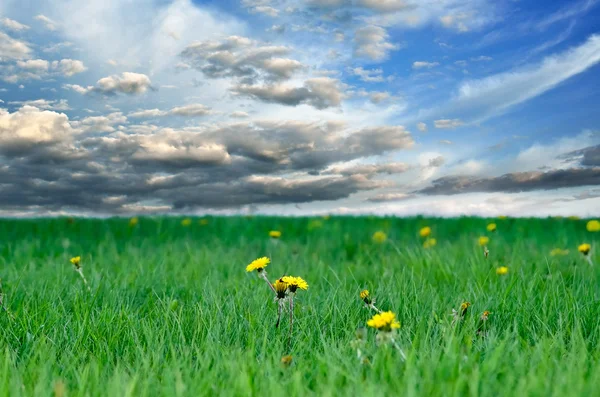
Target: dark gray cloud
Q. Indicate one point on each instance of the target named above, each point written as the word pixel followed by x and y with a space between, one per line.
pixel 104 164
pixel 515 182
pixel 588 157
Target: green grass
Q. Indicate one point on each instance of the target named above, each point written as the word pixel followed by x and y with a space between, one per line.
pixel 173 312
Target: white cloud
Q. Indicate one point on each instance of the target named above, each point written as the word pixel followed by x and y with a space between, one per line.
pixel 379 96
pixel 48 23
pixel 126 83
pixel 69 67
pixel 369 75
pixel 447 123
pixel 424 65
pixel 34 65
pixel 239 115
pixel 13 25
pixel 496 93
pixel 192 110
pixel 61 104
pixel 422 127
pixel 372 42
pixel 13 49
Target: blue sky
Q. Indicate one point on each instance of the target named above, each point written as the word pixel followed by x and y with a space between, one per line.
pixel 403 107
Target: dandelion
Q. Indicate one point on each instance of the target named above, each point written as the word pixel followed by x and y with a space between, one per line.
pixel 461 312
pixel 559 252
pixel 486 252
pixel 76 262
pixel 286 361
pixel 365 296
pixel 491 227
pixel 259 265
pixel 585 249
pixel 133 221
pixel 502 217
pixel 482 323
pixel 280 287
pixel 386 325
pixel 502 270
pixel 186 222
pixel 430 242
pixel 203 222
pixel 294 283
pixel 275 234
pixel 379 237
pixel 384 322
pixel 425 231
pixel 315 224
pixel 574 218
pixel 483 241
pixel 360 339
pixel 593 226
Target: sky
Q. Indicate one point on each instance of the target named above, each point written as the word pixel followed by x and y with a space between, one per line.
pixel 299 107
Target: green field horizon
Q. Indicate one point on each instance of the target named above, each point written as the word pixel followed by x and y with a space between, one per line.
pixel 171 310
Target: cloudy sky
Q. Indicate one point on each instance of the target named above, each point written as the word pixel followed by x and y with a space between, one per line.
pixel 446 107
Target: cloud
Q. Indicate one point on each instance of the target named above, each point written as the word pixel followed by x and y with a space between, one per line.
pixel 69 67
pixel 238 115
pixel 48 23
pixel 241 58
pixel 372 42
pixel 191 110
pixel 589 156
pixel 378 97
pixel 445 142
pixel 13 49
pixel 13 25
pixel 482 58
pixel 266 10
pixel 61 104
pixel 422 127
pixel 319 92
pixel 448 123
pixel 127 83
pixel 515 182
pixel 424 65
pixel 387 197
pixel 494 94
pixel 30 129
pixel 368 169
pixel 384 5
pixel 34 65
pixel 369 76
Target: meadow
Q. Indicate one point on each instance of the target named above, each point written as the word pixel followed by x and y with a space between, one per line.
pixel 171 309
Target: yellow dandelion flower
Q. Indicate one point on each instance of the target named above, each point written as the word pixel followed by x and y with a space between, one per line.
pixel 584 249
pixel 379 237
pixel 203 222
pixel 186 222
pixel 275 234
pixel 280 288
pixel 365 296
pixel 574 218
pixel 286 360
pixel 385 321
pixel 463 308
pixel 485 315
pixel 559 252
pixel 502 217
pixel 258 264
pixel 430 242
pixel 491 227
pixel 133 221
pixel 294 283
pixel 484 240
pixel 76 261
pixel 502 270
pixel 425 231
pixel 593 226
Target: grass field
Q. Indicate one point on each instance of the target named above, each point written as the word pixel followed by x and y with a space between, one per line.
pixel 172 310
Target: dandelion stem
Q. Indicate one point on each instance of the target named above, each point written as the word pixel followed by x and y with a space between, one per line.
pixel 589 259
pixel 263 275
pixel 279 310
pixel 372 306
pixel 399 349
pixel 291 321
pixel 80 271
